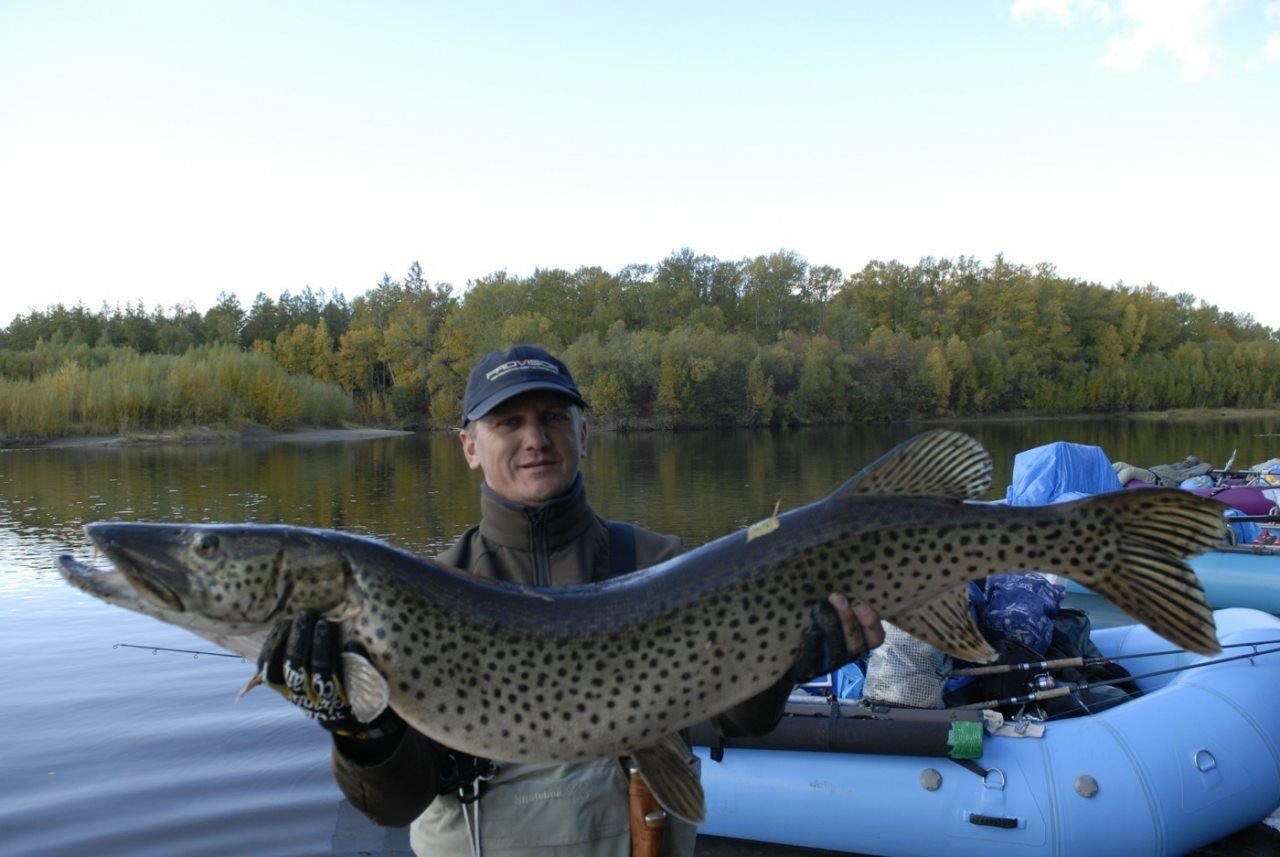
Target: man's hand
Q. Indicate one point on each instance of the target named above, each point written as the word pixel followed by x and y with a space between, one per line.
pixel 860 623
pixel 838 632
pixel 302 661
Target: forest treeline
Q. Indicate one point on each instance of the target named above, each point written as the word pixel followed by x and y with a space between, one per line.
pixel 691 341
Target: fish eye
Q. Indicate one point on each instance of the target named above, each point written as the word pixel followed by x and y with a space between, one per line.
pixel 207 544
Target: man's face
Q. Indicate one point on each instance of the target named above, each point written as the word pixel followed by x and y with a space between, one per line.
pixel 528 448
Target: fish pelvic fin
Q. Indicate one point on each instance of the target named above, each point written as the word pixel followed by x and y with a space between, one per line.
pixel 250 685
pixel 945 623
pixel 1158 528
pixel 941 462
pixel 366 688
pixel 670 771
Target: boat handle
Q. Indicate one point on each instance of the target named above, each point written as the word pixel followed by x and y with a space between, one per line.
pixel 993 821
pixel 1204 761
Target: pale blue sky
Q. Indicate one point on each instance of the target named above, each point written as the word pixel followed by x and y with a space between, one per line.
pixel 167 151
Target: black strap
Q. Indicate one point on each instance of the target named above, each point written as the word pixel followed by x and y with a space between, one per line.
pixel 464 774
pixel 622 548
pixel 971 765
pixel 716 750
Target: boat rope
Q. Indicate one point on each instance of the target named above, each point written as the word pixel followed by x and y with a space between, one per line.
pixel 1081 661
pixel 1068 689
pixel 193 652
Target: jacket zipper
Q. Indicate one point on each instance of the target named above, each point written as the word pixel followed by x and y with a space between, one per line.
pixel 541 562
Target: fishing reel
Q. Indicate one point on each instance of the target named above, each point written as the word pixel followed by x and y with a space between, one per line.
pixel 1032 709
pixel 1029 709
pixel 1041 682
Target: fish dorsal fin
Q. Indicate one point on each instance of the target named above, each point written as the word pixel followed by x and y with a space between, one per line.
pixel 940 463
pixel 668 769
pixel 946 623
pixel 366 688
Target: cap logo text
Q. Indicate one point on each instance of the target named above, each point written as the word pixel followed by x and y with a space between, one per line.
pixel 513 365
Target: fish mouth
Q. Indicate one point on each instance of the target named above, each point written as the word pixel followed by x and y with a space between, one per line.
pixel 109 584
pixel 143 560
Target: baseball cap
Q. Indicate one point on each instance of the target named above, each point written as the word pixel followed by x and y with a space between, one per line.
pixel 499 375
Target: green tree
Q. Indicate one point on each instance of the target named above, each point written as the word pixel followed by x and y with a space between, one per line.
pixel 324 359
pixel 964 377
pixel 935 383
pixel 295 349
pixel 760 393
pixel 773 287
pixel 264 322
pixel 223 321
pixel 360 369
pixel 411 339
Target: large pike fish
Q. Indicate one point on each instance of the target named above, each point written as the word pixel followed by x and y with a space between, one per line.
pixel 617 668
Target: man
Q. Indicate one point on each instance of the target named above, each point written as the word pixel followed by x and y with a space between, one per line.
pixel 525 430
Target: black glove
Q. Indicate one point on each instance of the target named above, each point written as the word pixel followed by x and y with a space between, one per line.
pixel 823 647
pixel 302 661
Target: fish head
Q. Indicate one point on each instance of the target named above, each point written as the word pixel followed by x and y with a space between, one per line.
pixel 235 576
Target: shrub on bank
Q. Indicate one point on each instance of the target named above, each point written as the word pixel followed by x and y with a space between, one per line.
pixel 218 386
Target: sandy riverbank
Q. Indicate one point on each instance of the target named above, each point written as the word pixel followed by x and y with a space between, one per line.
pixel 258 434
pixel 1175 415
pixel 255 435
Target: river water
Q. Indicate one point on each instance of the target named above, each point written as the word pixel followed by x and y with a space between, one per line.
pixel 110 745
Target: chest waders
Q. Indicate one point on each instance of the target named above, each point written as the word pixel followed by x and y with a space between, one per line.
pixel 467 775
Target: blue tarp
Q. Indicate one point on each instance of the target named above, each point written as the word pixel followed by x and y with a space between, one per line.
pixel 1060 471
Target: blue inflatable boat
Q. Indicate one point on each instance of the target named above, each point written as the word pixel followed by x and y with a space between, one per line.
pixel 1245 573
pixel 1195 758
pixel 1239 576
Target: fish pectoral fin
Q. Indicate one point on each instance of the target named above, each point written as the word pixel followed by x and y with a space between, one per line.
pixel 940 463
pixel 367 690
pixel 946 623
pixel 670 771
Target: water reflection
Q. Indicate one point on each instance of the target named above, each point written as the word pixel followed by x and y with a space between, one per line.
pixel 418 491
pixel 121 751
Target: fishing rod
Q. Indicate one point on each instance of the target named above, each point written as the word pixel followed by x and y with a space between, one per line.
pixel 193 652
pixel 1081 661
pixel 1257 519
pixel 1068 689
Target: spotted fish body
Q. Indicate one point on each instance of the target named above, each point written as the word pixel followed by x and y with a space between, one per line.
pixel 614 668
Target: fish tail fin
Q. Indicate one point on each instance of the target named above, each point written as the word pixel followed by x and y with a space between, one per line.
pixel 668 769
pixel 1156 529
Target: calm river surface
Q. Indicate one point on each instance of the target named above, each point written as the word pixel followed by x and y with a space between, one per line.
pixel 106 749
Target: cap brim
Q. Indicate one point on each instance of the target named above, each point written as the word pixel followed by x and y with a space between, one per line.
pixel 502 395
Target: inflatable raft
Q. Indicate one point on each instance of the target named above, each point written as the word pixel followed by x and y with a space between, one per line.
pixel 1192 760
pixel 1235 576
pixel 1243 576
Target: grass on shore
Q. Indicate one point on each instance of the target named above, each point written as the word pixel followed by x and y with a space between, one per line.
pixel 212 389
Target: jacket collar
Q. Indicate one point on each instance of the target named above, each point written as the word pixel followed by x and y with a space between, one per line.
pixel 561 519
